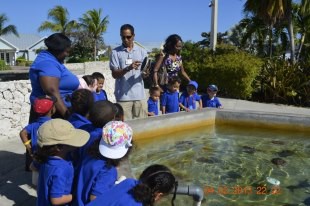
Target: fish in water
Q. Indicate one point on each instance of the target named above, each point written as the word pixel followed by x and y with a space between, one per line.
pixel 249 150
pixel 210 160
pixel 285 153
pixel 277 142
pixel 300 185
pixel 184 144
pixel 278 161
pixel 233 175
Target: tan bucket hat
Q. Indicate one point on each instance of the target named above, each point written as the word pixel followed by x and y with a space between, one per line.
pixel 59 131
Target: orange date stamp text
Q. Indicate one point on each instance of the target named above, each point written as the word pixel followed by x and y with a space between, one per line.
pixel 242 190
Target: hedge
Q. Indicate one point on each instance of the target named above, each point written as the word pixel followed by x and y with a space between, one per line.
pixel 233 71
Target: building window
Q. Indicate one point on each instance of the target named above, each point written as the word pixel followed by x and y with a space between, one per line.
pixel 2 56
pixel 8 58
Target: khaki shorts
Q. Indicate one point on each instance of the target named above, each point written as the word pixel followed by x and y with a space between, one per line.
pixel 134 109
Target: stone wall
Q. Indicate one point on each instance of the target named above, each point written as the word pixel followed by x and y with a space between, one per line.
pixel 14 97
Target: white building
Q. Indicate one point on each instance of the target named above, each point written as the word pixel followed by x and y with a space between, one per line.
pixel 12 47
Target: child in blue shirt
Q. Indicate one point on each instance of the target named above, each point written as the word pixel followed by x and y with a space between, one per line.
pixel 92 83
pixel 44 107
pixel 98 171
pixel 56 138
pixel 101 113
pixel 188 99
pixel 155 182
pixel 100 94
pixel 82 101
pixel 119 112
pixel 152 102
pixel 210 100
pixel 170 99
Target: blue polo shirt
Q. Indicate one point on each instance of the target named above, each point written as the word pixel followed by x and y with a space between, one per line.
pixel 129 87
pixel 95 133
pixel 102 95
pixel 93 178
pixel 152 106
pixel 32 130
pixel 207 102
pixel 46 64
pixel 119 195
pixel 78 121
pixel 170 101
pixel 55 180
pixel 189 101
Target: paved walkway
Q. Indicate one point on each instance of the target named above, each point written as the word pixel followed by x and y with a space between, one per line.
pixel 14 181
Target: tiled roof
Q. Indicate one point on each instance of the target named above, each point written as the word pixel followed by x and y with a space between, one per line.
pixel 23 42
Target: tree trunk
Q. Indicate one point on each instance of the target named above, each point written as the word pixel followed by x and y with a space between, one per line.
pixel 95 50
pixel 270 41
pixel 291 35
pixel 302 41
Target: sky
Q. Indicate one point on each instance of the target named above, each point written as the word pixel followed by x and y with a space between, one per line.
pixel 154 21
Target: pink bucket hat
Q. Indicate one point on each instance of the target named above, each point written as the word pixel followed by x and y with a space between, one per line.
pixel 116 139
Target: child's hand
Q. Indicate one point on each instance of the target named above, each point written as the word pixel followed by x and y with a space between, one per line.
pixel 32 167
pixel 28 148
pixel 187 110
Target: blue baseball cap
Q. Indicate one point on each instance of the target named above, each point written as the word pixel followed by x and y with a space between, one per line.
pixel 194 83
pixel 213 87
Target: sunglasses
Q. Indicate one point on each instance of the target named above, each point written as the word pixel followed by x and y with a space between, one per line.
pixel 126 37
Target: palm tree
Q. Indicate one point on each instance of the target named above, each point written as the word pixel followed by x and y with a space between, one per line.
pixel 92 22
pixel 254 35
pixel 222 38
pixel 305 6
pixel 10 29
pixel 272 12
pixel 60 21
pixel 302 16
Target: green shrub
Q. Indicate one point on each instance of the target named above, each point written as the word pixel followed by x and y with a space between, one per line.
pixel 76 60
pixel 3 66
pixel 233 71
pixel 28 63
pixel 104 58
pixel 20 61
pixel 281 82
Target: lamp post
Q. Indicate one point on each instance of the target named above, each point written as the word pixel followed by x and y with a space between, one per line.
pixel 213 36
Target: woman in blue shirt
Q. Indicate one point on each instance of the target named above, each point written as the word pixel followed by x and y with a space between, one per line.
pixel 48 75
